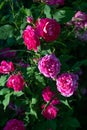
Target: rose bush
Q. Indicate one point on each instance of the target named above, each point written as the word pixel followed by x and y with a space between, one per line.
pixel 43 59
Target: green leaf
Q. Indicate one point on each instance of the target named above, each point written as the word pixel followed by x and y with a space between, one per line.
pixel 4 91
pixel 40 78
pixel 33 112
pixel 34 101
pixel 47 11
pixel 64 15
pixel 6 31
pixel 65 102
pixel 3 80
pixel 2 4
pixel 27 12
pixel 18 94
pixel 6 100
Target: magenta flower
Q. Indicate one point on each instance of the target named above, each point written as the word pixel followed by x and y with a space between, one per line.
pixel 16 82
pixel 50 112
pixel 47 95
pixel 31 39
pixel 14 124
pixel 67 84
pixel 49 66
pixel 6 67
pixel 54 2
pixel 48 29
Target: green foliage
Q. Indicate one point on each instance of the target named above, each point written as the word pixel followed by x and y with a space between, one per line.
pixel 6 100
pixel 3 80
pixel 6 31
pixel 47 11
pixel 63 15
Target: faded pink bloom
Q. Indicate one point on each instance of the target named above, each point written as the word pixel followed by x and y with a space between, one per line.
pixel 80 16
pixel 50 112
pixel 16 82
pixel 48 95
pixel 14 124
pixel 31 39
pixel 79 20
pixel 30 19
pixel 54 2
pixel 67 84
pixel 6 67
pixel 48 29
pixel 49 66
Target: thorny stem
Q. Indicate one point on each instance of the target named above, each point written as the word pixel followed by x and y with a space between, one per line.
pixel 14 51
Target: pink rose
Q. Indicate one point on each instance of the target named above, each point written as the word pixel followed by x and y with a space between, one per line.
pixel 67 84
pixel 14 124
pixel 50 112
pixel 49 66
pixel 16 82
pixel 54 2
pixel 48 95
pixel 31 39
pixel 6 67
pixel 48 29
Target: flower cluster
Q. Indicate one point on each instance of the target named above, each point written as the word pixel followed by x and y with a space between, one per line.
pixel 49 66
pixel 48 29
pixel 50 111
pixel 15 81
pixel 14 124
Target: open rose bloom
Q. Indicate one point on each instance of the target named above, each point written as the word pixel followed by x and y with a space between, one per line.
pixel 67 84
pixel 49 112
pixel 6 67
pixel 31 39
pixel 48 29
pixel 16 82
pixel 49 66
pixel 14 124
